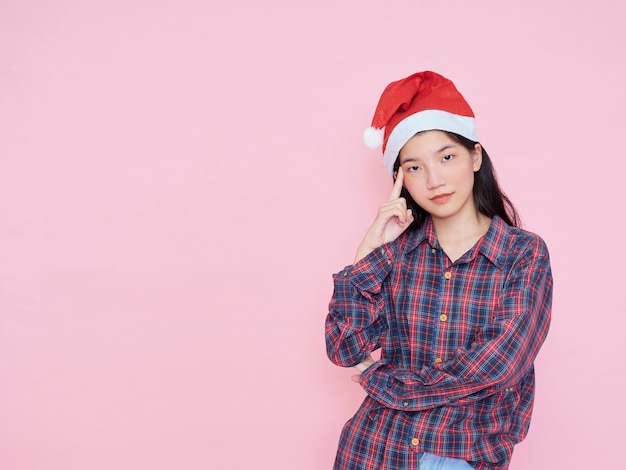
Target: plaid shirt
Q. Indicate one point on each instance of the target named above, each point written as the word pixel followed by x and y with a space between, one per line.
pixel 458 342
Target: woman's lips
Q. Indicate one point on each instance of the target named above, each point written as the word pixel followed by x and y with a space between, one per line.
pixel 441 198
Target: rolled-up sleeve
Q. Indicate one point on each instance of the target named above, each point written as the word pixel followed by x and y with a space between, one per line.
pixel 356 318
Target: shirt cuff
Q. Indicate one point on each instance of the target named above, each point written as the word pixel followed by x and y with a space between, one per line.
pixel 368 274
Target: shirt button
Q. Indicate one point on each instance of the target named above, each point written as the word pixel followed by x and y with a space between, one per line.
pixel 438 360
pixel 447 275
pixel 405 404
pixel 443 317
pixel 434 251
pixel 415 442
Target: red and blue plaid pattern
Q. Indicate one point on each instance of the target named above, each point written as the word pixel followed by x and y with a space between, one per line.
pixel 458 342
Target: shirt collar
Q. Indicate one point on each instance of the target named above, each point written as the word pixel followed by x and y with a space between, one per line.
pixel 492 245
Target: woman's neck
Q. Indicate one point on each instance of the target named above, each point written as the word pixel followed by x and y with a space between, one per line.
pixel 458 234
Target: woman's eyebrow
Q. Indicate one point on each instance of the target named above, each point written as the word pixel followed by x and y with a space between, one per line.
pixel 408 159
pixel 445 147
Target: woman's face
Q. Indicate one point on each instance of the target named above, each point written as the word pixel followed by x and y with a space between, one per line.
pixel 439 174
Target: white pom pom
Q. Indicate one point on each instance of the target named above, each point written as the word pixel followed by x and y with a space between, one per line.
pixel 373 137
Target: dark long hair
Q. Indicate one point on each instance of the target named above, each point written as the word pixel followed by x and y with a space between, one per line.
pixel 489 199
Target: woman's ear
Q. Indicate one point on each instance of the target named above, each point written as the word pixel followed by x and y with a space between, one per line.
pixel 477 157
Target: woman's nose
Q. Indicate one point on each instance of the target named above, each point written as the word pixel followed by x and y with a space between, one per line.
pixel 434 179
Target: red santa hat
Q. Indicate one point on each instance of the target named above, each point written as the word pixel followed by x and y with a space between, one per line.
pixel 421 102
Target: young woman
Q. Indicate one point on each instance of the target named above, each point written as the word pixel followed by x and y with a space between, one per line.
pixel 452 291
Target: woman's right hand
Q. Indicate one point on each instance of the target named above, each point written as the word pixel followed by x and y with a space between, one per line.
pixel 393 218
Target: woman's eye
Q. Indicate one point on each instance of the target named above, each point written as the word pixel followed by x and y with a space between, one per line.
pixel 413 168
pixel 447 158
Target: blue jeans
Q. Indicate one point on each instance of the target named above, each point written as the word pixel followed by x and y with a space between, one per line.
pixel 434 462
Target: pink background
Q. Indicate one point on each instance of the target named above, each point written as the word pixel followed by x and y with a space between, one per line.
pixel 179 180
